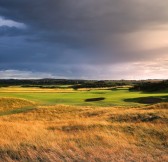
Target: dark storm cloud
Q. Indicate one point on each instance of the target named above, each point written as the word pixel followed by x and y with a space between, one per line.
pixel 85 15
pixel 89 20
pixel 62 33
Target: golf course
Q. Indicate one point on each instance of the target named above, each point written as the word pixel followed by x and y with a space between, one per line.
pixel 68 96
pixel 88 124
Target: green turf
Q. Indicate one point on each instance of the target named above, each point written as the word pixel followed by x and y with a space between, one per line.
pixel 16 111
pixel 116 97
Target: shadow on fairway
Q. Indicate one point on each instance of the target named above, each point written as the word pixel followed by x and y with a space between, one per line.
pixel 94 99
pixel 148 100
pixel 150 92
pixel 17 111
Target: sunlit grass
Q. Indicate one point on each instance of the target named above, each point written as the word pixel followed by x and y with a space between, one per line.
pixel 113 97
pixel 83 133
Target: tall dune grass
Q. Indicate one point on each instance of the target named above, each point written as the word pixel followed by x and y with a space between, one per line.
pixel 94 134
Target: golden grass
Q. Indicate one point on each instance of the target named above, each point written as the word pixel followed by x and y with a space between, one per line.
pixel 10 103
pixel 17 89
pixel 94 134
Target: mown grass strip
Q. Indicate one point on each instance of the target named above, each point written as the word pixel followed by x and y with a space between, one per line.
pixel 17 111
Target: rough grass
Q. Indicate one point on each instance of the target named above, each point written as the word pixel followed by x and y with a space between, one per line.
pixel 8 103
pixel 94 134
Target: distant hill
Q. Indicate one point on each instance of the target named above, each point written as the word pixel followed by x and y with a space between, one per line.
pixel 77 82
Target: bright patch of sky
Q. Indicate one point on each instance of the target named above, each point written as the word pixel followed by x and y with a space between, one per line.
pixel 11 23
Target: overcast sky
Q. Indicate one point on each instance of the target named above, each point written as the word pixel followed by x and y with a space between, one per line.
pixel 84 39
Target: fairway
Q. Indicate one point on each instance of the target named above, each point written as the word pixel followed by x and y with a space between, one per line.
pixel 68 96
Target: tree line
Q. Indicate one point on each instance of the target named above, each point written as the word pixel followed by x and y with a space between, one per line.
pixel 151 86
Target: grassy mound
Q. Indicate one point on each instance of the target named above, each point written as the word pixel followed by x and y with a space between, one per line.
pixel 163 105
pixel 7 103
